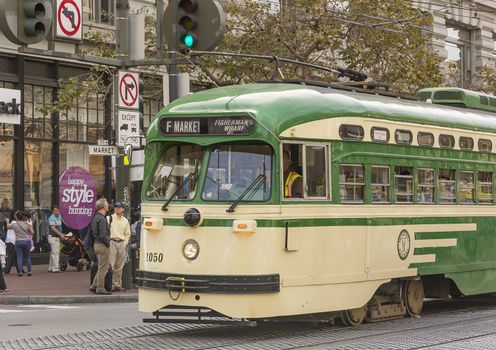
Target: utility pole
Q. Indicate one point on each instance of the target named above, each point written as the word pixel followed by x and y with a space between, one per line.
pixel 122 173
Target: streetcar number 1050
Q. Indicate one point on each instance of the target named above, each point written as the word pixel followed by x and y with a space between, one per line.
pixel 154 257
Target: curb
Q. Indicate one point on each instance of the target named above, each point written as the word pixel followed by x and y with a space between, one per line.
pixel 64 299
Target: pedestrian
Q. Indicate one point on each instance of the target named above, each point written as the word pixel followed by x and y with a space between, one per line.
pixel 120 233
pixel 134 246
pixel 10 240
pixel 3 285
pixel 55 235
pixel 100 231
pixel 23 244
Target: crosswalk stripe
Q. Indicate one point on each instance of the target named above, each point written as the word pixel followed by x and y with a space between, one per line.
pixel 55 307
pixel 3 311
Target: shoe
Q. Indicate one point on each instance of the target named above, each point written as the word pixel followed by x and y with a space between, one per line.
pixel 104 293
pixel 29 274
pixel 4 292
pixel 93 290
pixel 19 275
pixel 55 271
pixel 118 289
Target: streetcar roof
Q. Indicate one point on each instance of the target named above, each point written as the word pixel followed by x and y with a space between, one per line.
pixel 279 106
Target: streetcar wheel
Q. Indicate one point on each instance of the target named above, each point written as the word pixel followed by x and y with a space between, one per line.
pixel 354 317
pixel 413 295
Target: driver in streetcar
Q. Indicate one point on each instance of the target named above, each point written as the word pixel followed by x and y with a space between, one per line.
pixel 293 184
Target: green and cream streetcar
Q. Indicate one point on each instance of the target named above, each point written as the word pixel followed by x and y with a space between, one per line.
pixel 297 200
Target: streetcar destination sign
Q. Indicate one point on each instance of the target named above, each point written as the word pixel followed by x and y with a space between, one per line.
pixel 241 125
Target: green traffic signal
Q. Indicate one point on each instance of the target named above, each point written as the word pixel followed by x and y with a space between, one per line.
pixel 188 40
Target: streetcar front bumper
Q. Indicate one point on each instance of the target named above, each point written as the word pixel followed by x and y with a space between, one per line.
pixel 253 284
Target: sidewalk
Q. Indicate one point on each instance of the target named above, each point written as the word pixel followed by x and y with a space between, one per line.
pixel 66 287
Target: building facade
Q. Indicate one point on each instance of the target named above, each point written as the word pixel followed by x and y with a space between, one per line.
pixel 463 34
pixel 36 152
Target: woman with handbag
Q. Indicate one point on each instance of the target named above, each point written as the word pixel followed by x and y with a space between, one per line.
pixel 23 243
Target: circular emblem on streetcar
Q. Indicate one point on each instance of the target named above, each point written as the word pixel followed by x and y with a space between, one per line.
pixel 403 244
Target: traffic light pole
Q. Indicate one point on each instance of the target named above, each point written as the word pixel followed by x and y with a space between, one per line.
pixel 122 173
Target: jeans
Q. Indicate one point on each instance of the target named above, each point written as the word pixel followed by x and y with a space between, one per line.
pixel 22 251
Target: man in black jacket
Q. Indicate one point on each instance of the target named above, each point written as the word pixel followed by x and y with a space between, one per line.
pixel 100 230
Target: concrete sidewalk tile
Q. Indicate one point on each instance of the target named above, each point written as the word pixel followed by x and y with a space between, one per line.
pixel 66 287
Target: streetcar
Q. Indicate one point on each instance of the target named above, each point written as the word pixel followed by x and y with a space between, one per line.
pixel 295 200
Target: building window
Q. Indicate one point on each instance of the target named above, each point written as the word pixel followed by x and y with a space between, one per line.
pixel 485 187
pixel 7 129
pixel 403 183
pixel 467 187
pixel 150 109
pixel 103 11
pixel 380 184
pixel 458 62
pixel 38 174
pixel 6 174
pixel 426 186
pixel 351 183
pixel 85 121
pixel 36 124
pixel 447 186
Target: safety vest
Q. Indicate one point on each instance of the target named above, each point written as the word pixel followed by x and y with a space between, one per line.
pixel 292 177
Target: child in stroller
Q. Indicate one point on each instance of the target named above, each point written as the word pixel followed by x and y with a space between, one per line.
pixel 73 247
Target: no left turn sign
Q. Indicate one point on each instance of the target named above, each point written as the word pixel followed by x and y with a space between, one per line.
pixel 128 90
pixel 69 20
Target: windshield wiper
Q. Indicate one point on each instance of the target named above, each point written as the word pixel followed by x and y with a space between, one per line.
pixel 180 187
pixel 259 181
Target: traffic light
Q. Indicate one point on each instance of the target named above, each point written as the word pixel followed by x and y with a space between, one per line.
pixel 193 24
pixel 25 22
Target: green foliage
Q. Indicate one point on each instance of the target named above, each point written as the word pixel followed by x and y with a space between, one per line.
pixel 381 39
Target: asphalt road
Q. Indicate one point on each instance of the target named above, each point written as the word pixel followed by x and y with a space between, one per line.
pixel 468 324
pixel 22 321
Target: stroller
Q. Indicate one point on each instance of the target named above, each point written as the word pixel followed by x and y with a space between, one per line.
pixel 73 247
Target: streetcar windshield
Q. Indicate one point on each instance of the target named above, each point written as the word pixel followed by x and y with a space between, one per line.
pixel 174 167
pixel 233 169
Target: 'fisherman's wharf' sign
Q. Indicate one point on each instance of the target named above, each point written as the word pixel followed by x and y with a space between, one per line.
pixel 182 126
pixel 77 197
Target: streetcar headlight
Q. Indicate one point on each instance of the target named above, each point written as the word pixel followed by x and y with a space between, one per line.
pixel 191 249
pixel 192 217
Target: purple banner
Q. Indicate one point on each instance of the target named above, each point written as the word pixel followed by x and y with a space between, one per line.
pixel 77 197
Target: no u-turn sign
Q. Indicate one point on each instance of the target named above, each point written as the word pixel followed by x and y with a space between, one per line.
pixel 69 20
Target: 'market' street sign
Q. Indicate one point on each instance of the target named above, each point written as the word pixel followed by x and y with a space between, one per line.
pixel 100 150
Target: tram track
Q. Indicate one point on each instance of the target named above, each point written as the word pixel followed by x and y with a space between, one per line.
pixel 291 335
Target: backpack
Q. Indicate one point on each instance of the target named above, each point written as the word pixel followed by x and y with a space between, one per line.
pixel 89 240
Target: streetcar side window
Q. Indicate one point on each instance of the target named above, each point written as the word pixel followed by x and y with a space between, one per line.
pixel 446 141
pixel 351 184
pixel 403 137
pixel 485 145
pixel 403 184
pixel 316 174
pixel 426 187
pixel 466 143
pixel 380 135
pixel 447 186
pixel 485 187
pixel 466 185
pixel 380 184
pixel 351 132
pixel 425 139
pixel 305 173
